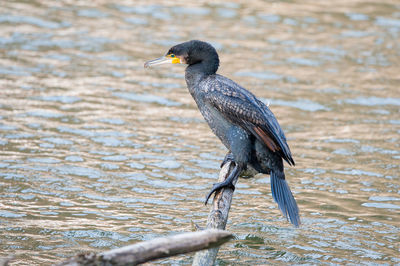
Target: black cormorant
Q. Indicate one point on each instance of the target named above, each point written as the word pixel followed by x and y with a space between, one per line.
pixel 244 124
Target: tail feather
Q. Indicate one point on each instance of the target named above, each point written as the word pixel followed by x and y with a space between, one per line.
pixel 283 196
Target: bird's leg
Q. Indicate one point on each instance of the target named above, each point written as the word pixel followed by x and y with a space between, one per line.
pixel 227 183
pixel 228 158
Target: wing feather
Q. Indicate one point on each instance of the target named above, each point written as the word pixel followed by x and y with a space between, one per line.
pixel 241 107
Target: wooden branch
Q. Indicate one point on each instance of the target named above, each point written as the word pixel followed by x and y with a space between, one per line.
pixel 218 216
pixel 5 261
pixel 153 249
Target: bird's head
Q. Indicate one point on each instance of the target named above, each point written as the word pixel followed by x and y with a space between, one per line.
pixel 190 53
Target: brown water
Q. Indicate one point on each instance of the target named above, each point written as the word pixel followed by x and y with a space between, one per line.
pixel 98 153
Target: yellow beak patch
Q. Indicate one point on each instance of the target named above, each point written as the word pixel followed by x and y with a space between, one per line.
pixel 174 59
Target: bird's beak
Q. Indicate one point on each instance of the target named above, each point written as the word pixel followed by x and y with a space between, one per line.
pixel 167 59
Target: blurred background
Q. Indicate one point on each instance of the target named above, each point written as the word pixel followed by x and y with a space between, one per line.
pixel 98 153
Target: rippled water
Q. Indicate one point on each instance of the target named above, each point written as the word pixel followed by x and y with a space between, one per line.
pixel 97 152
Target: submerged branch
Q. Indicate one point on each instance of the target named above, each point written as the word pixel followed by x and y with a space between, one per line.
pixel 153 249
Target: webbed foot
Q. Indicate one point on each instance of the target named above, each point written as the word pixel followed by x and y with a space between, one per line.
pixel 227 183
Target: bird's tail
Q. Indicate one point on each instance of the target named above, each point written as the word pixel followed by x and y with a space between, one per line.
pixel 283 196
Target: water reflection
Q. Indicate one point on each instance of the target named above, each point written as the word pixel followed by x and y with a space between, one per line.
pixel 98 153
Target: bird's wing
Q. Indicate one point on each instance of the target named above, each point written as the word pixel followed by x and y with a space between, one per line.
pixel 242 108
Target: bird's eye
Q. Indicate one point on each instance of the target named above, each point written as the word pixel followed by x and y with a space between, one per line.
pixel 172 55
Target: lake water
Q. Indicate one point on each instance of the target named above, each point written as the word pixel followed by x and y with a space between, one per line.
pixel 98 152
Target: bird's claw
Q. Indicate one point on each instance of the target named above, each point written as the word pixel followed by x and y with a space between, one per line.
pixel 218 186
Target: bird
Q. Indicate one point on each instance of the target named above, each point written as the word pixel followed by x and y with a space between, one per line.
pixel 243 123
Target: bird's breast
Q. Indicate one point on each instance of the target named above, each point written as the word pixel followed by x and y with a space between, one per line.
pixel 216 121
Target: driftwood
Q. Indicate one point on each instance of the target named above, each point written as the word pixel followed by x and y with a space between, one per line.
pixel 153 249
pixel 217 217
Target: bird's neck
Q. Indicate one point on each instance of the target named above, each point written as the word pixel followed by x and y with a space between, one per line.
pixel 196 72
pixel 193 75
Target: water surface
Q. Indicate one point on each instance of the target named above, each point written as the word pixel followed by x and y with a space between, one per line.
pixel 98 153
